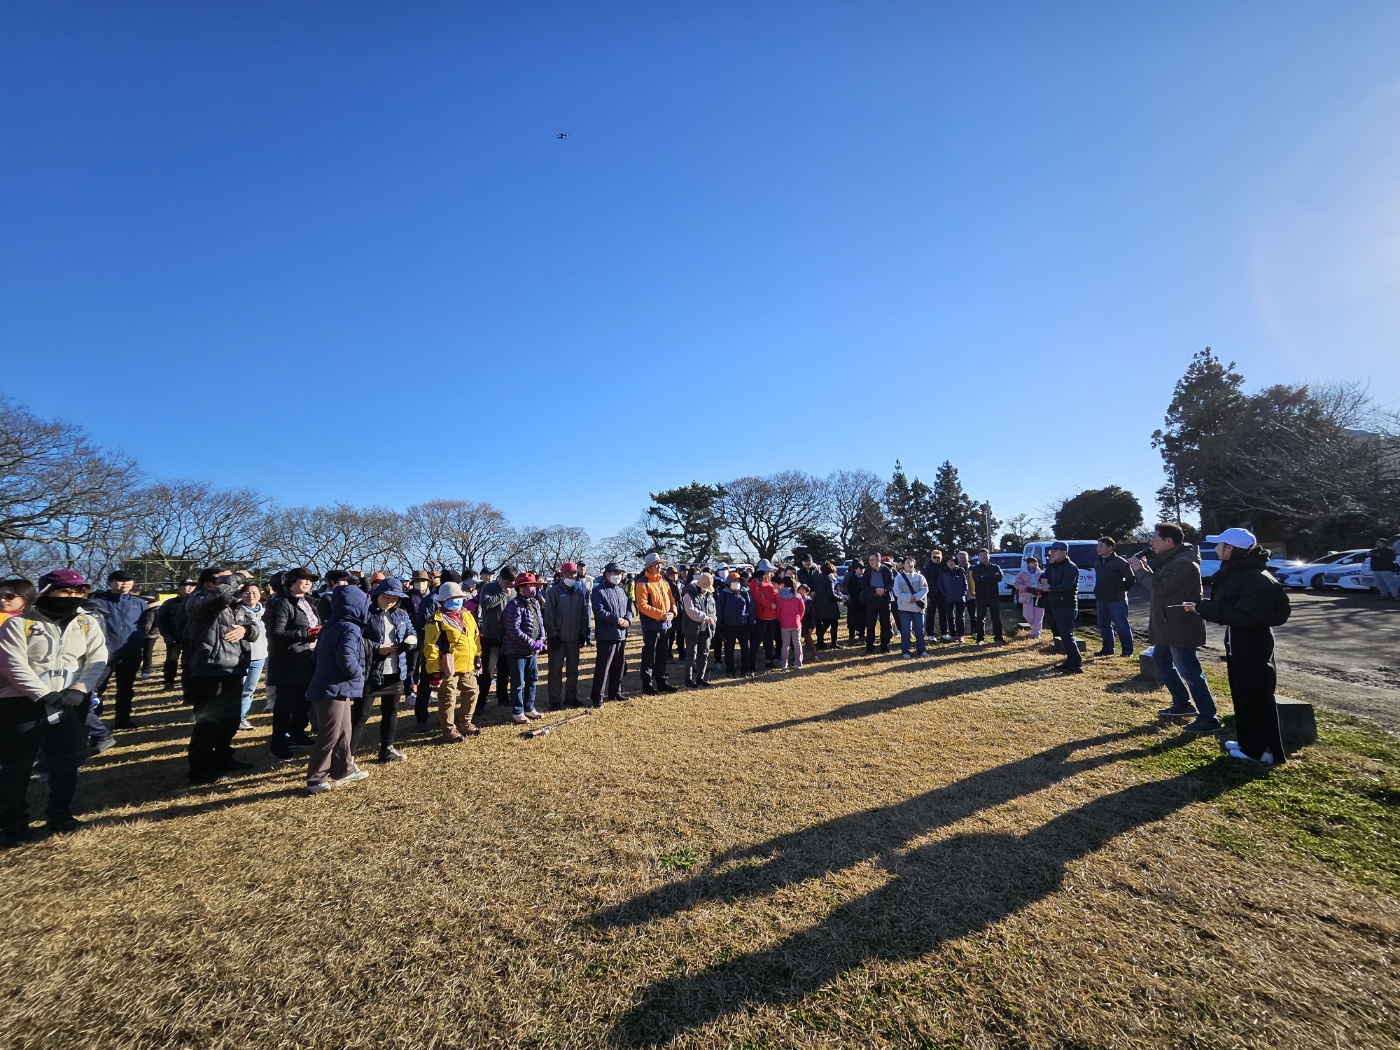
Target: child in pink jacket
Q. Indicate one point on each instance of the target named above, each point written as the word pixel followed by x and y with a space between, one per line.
pixel 791 607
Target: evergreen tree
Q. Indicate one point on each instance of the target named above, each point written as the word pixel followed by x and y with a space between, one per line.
pixel 909 511
pixel 1207 404
pixel 955 522
pixel 871 530
pixel 687 520
pixel 819 545
pixel 1111 511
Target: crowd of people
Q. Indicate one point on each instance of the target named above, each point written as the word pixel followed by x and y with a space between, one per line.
pixel 330 656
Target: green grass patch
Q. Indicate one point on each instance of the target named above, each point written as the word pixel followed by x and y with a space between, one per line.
pixel 1337 801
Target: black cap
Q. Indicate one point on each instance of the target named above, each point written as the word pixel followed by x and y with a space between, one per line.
pixel 611 566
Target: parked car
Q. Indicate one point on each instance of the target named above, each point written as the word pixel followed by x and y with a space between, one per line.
pixel 1354 578
pixel 1082 552
pixel 1010 565
pixel 1310 573
pixel 1210 563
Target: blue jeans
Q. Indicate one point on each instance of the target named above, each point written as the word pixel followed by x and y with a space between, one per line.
pixel 1114 616
pixel 250 684
pixel 914 621
pixel 1180 669
pixel 524 670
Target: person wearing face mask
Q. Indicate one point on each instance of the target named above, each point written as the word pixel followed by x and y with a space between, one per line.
pixel 658 613
pixel 221 631
pixel 389 636
pixel 339 679
pixel 52 655
pixel 565 626
pixel 121 613
pixel 734 611
pixel 522 640
pixel 419 606
pixel 293 625
pixel 612 617
pixel 698 624
pixel 491 601
pixel 452 660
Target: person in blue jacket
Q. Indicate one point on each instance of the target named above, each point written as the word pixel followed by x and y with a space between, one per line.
pixel 612 616
pixel 952 588
pixel 121 613
pixel 1062 600
pixel 339 679
pixel 734 605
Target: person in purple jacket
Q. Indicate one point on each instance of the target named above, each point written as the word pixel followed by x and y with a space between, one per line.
pixel 522 640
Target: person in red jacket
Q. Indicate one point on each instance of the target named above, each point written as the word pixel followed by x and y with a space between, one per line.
pixel 765 610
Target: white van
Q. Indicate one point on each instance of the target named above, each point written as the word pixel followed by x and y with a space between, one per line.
pixel 1082 552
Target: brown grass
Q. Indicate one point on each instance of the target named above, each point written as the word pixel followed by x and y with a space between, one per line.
pixel 959 851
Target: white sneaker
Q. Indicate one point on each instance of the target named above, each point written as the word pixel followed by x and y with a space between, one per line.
pixel 907 656
pixel 352 778
pixel 318 789
pixel 1267 758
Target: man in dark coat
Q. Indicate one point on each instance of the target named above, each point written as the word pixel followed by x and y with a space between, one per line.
pixel 1113 579
pixel 875 590
pixel 293 625
pixel 611 619
pixel 121 613
pixel 986 585
pixel 1062 602
pixel 490 603
pixel 219 630
pixel 1174 579
pixel 170 621
pixel 936 622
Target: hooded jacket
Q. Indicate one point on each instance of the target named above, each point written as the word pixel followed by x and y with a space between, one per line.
pixel 610 604
pixel 490 603
pixel 952 583
pixel 38 657
pixel 823 602
pixel 209 615
pixel 1245 594
pixel 1175 577
pixel 121 623
pixel 401 632
pixel 791 608
pixel 340 650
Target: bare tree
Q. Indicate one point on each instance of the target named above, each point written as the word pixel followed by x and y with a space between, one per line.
pixel 54 482
pixel 179 526
pixel 628 546
pixel 546 548
pixel 768 513
pixel 335 537
pixel 472 533
pixel 847 492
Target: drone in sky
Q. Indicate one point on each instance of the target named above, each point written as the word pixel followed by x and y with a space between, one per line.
pixel 561 134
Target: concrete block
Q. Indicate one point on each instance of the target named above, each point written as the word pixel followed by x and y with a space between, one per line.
pixel 1147 667
pixel 1296 722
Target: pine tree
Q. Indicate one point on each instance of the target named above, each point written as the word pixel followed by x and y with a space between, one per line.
pixel 955 522
pixel 687 520
pixel 871 532
pixel 1207 404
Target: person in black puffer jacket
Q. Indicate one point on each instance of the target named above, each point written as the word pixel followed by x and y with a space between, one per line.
pixel 1249 602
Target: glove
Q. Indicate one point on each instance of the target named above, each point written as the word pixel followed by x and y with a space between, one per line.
pixel 435 679
pixel 73 698
pixel 51 701
pixel 537 645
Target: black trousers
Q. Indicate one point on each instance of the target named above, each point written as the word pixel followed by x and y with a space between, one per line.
pixel 990 609
pixel 609 666
pixel 218 704
pixel 491 660
pixel 1064 626
pixel 24 730
pixel 765 633
pixel 124 669
pixel 290 713
pixel 170 669
pixel 855 622
pixel 877 613
pixel 938 616
pixel 729 637
pixel 388 720
pixel 954 609
pixel 148 649
pixel 1253 679
pixel 656 652
pixel 826 624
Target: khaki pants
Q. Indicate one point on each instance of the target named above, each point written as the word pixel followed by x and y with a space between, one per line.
pixel 461 684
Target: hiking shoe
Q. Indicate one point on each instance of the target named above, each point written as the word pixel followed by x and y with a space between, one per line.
pixel 235 766
pixel 99 746
pixel 352 778
pixel 907 656
pixel 145 676
pixel 1202 725
pixel 1104 652
pixel 1069 670
pixel 450 735
pixel 704 683
pixel 318 789
pixel 68 825
pixel 1178 712
pixel 665 687
pixel 391 754
pixel 243 726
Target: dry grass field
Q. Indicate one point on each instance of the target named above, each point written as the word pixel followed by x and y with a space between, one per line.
pixel 960 851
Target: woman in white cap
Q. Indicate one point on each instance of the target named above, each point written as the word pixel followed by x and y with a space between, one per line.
pixel 1247 599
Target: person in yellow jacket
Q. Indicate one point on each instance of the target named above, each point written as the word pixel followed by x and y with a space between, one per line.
pixel 452 658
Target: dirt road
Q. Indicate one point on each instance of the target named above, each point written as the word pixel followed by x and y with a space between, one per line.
pixel 1338 650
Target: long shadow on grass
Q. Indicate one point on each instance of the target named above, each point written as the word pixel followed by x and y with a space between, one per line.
pixel 938 892
pixel 919 694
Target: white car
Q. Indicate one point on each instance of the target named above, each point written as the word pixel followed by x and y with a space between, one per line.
pixel 1210 563
pixel 1356 578
pixel 1083 553
pixel 1010 565
pixel 1310 575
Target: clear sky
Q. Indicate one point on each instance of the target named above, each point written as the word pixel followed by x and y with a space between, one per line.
pixel 328 250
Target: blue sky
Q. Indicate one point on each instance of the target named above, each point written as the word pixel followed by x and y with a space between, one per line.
pixel 322 249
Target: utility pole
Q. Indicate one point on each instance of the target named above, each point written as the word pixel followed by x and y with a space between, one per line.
pixel 987 525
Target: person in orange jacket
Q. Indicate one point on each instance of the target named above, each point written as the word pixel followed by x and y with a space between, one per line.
pixel 657 608
pixel 765 610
